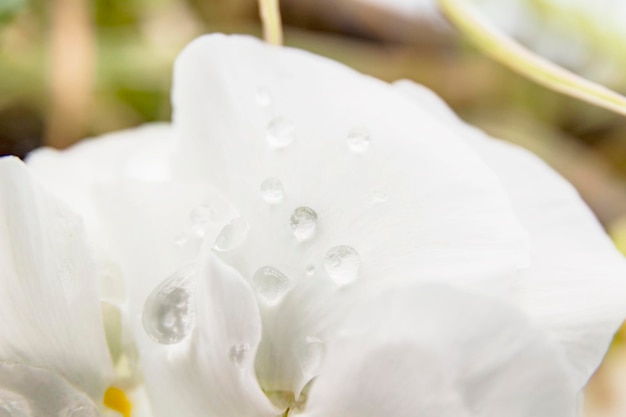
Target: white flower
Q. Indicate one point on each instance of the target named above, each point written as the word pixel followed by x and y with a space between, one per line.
pixel 340 247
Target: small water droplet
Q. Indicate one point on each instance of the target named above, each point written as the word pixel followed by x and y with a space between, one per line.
pixel 13 405
pixel 199 218
pixel 281 132
pixel 358 139
pixel 238 354
pixel 168 316
pixel 232 235
pixel 303 223
pixel 263 97
pixel 272 190
pixel 270 283
pixel 310 270
pixel 79 409
pixel 311 355
pixel 342 264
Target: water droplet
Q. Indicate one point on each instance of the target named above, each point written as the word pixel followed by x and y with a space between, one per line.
pixel 281 132
pixel 358 139
pixel 80 409
pixel 270 283
pixel 168 316
pixel 309 270
pixel 263 97
pixel 311 356
pixel 303 223
pixel 342 264
pixel 232 235
pixel 13 405
pixel 199 218
pixel 238 354
pixel 272 190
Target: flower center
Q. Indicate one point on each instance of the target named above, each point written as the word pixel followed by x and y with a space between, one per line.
pixel 115 399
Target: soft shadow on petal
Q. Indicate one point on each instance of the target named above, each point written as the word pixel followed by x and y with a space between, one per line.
pixel 431 350
pixel 416 200
pixel 576 285
pixel 212 373
pixel 50 309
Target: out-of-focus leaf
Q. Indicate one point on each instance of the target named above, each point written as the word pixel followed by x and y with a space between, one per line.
pixel 506 51
pixel 9 8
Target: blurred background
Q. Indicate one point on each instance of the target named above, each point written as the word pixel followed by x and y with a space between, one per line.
pixel 70 69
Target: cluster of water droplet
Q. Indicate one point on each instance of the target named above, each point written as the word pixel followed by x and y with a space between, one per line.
pixel 168 314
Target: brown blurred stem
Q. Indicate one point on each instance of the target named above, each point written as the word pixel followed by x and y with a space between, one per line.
pixel 72 53
pixel 272 24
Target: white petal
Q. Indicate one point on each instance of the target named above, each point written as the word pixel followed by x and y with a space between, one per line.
pixel 213 373
pixel 27 391
pixel 576 285
pixel 140 153
pixel 430 350
pixel 445 216
pixel 50 308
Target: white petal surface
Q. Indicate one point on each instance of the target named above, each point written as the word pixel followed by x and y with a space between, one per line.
pixel 576 284
pixel 140 153
pixel 433 351
pixel 36 392
pixel 49 308
pixel 213 372
pixel 414 201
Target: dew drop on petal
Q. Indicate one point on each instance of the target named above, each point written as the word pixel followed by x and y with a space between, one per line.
pixel 270 283
pixel 13 405
pixel 281 132
pixel 238 354
pixel 309 270
pixel 358 139
pixel 272 190
pixel 80 409
pixel 263 97
pixel 303 223
pixel 311 355
pixel 232 235
pixel 168 315
pixel 199 218
pixel 342 264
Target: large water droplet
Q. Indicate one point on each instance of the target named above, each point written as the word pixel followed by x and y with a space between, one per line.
pixel 281 132
pixel 358 139
pixel 303 223
pixel 342 264
pixel 311 355
pixel 270 283
pixel 168 315
pixel 238 354
pixel 232 235
pixel 199 218
pixel 80 409
pixel 13 405
pixel 263 97
pixel 309 270
pixel 272 190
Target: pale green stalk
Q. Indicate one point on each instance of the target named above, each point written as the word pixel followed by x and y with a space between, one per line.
pixel 272 25
pixel 506 51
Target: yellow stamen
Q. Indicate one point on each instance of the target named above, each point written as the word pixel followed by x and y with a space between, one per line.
pixel 116 400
